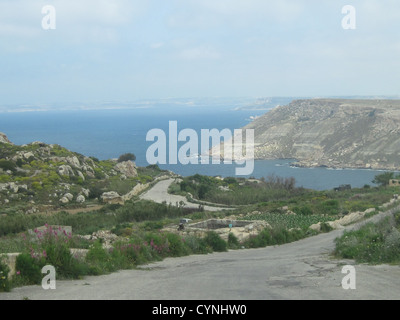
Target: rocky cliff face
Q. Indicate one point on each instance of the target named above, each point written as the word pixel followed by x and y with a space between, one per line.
pixel 332 133
pixel 4 139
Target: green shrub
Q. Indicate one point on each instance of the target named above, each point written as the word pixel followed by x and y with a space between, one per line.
pixel 325 227
pixel 329 207
pixel 372 243
pixel 99 260
pixel 233 242
pixel 127 157
pixel 197 245
pixel 176 245
pixel 303 210
pixel 8 165
pixel 153 225
pixel 4 271
pixel 28 269
pixel 213 240
pixel 276 236
pixel 52 247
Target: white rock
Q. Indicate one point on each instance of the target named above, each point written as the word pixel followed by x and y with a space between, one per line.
pixel 127 168
pixel 109 195
pixel 64 200
pixel 4 139
pixel 80 199
pixel 69 196
pixel 369 210
pixel 73 161
pixel 65 170
pixel 316 227
pixel 85 192
pixel 80 174
pixel 27 155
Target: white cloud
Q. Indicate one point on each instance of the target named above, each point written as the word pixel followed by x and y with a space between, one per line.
pixel 14 30
pixel 77 21
pixel 200 53
pixel 157 45
pixel 204 13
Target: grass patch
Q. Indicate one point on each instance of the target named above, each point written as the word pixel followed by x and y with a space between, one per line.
pixel 277 220
pixel 373 243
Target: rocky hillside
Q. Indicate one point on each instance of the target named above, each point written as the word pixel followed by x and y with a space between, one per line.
pixel 332 133
pixel 44 177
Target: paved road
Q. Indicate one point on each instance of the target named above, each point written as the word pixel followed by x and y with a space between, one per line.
pixel 299 270
pixel 159 193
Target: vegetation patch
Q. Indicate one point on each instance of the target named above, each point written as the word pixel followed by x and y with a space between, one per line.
pixel 374 243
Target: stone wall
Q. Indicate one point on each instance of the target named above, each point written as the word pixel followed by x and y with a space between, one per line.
pixel 241 229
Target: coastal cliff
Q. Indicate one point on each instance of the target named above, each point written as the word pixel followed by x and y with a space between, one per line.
pixel 336 133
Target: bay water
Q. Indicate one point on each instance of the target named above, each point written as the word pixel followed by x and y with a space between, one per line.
pixel 106 134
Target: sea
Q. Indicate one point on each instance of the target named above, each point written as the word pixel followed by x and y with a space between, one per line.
pixel 106 133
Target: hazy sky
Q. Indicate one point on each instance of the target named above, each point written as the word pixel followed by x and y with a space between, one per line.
pixel 140 49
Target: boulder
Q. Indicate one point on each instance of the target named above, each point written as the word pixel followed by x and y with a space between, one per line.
pixel 27 155
pixel 126 168
pixel 351 218
pixel 80 199
pixel 64 200
pixel 73 161
pixel 85 192
pixel 69 196
pixel 13 187
pixel 335 225
pixel 65 170
pixel 316 227
pixel 111 197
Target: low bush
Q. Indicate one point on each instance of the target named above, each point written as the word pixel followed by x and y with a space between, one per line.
pixel 276 236
pixel 372 243
pixel 8 165
pixel 4 271
pixel 214 241
pixel 28 269
pixel 48 247
pixel 233 242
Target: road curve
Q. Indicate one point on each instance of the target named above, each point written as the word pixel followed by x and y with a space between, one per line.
pixel 299 270
pixel 159 193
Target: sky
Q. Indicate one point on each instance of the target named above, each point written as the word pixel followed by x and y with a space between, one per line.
pixel 127 50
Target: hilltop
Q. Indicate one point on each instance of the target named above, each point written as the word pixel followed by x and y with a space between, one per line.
pixel 40 177
pixel 336 133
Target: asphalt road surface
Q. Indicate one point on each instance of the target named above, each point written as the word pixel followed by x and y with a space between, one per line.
pixel 299 270
pixel 159 193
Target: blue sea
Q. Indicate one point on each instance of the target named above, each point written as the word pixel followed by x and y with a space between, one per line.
pixel 106 134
